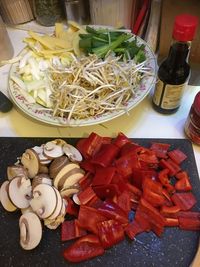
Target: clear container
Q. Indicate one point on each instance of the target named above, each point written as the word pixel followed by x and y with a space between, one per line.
pixel 192 125
pixel 48 12
pixel 6 48
pixel 116 13
pixel 78 10
pixel 16 11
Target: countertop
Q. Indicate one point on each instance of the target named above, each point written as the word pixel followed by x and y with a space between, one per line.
pixel 142 121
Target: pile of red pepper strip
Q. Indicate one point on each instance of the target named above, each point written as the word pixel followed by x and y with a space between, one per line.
pixel 122 176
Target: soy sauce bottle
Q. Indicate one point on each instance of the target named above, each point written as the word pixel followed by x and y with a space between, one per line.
pixel 174 71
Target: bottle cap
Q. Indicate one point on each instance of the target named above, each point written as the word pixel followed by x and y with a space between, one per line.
pixel 184 27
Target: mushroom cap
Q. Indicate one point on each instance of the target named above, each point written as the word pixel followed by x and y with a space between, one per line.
pixel 30 230
pixel 31 162
pixel 58 205
pixel 56 165
pixel 53 150
pixel 72 153
pixel 20 191
pixel 16 170
pixel 4 198
pixel 44 200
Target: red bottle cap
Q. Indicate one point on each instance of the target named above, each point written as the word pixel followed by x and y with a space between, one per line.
pixel 184 27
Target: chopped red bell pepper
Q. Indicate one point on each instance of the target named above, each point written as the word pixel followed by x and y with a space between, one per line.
pixel 86 195
pixel 110 233
pixel 185 200
pixel 152 185
pixel 153 198
pixel 88 218
pixel 189 221
pixel 171 222
pixel 160 149
pixel 142 219
pixel 177 156
pixel 170 212
pixel 95 202
pixel 130 147
pixel 133 189
pixel 170 165
pixel 86 180
pixel 125 164
pixel 121 140
pixel 71 207
pixel 111 210
pixel 71 230
pixel 103 176
pixel 165 180
pixel 89 146
pixel 139 175
pixel 88 166
pixel 124 201
pixel 105 156
pixel 84 248
pixel 183 184
pixel 134 228
pixel 148 156
pixel 106 191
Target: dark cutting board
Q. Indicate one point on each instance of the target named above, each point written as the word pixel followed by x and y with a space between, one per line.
pixel 175 248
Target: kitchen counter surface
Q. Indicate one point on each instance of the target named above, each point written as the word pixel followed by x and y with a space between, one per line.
pixel 142 121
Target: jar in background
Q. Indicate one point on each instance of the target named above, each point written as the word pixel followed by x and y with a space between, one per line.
pixel 78 10
pixel 16 11
pixel 192 125
pixel 6 48
pixel 116 13
pixel 48 12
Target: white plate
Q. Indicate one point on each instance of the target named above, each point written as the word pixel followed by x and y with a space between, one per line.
pixel 35 112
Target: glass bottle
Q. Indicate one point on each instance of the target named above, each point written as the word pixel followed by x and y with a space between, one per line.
pixel 174 71
pixel 48 12
pixel 192 125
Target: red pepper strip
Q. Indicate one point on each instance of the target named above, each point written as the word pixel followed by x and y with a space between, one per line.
pixel 148 156
pixel 177 155
pixel 87 166
pixel 86 180
pixel 184 183
pixel 125 165
pixel 95 202
pixel 189 214
pixel 134 228
pixel 182 174
pixel 170 212
pixel 137 192
pixel 139 175
pixel 171 222
pixel 105 156
pixel 121 140
pixel 106 191
pixel 172 167
pixel 160 149
pixel 71 230
pixel 154 199
pixel 110 233
pixel 142 219
pixel 71 207
pixel 124 201
pixel 103 176
pixel 111 210
pixel 185 201
pixel 88 218
pixel 156 220
pixel 130 147
pixel 84 248
pixel 191 224
pixel 86 195
pixel 165 181
pixel 152 185
pixel 176 167
pixel 89 146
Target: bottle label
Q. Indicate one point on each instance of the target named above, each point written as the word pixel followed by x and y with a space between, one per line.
pixel 168 96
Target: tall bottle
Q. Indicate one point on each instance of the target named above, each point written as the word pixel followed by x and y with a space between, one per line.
pixel 174 71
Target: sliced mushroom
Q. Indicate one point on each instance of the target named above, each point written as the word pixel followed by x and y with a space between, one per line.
pixel 29 209
pixel 4 197
pixel 76 199
pixel 40 152
pixel 53 150
pixel 70 191
pixel 43 169
pixel 30 230
pixel 20 192
pixel 64 171
pixel 41 178
pixel 70 178
pixel 72 153
pixel 44 200
pixel 31 162
pixel 16 170
pixel 58 205
pixel 56 165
